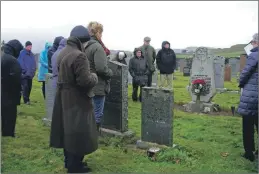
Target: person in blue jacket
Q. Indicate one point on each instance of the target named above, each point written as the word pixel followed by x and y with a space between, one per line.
pixel 28 65
pixel 43 66
pixel 248 106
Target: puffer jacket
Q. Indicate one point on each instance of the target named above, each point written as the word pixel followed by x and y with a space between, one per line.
pixel 249 82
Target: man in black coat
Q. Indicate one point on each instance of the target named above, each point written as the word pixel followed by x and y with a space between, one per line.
pixel 52 50
pixel 166 63
pixel 10 86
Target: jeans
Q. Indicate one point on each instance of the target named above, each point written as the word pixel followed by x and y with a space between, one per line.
pixel 98 102
pixel 166 81
pixel 26 89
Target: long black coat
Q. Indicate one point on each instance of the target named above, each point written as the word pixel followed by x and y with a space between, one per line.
pixel 73 124
pixel 11 74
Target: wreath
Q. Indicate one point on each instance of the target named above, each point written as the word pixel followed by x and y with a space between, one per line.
pixel 199 87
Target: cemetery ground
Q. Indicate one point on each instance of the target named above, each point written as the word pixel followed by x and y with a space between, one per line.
pixel 206 143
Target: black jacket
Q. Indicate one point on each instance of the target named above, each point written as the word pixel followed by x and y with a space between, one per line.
pixel 166 59
pixel 11 74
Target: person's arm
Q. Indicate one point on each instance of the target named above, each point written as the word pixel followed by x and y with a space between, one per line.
pixel 131 69
pixel 81 68
pixel 42 60
pixel 100 63
pixel 250 67
pixel 158 59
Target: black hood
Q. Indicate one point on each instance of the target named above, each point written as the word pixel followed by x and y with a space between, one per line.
pixel 136 50
pixel 13 47
pixel 165 42
pixel 57 40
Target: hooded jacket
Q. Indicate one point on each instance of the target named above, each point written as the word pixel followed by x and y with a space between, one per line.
pixel 28 64
pixel 249 82
pixel 62 45
pixel 11 74
pixel 43 63
pixel 52 50
pixel 166 59
pixel 138 68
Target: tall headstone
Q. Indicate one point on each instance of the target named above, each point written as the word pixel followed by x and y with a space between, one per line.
pixel 219 65
pixel 154 78
pixel 235 66
pixel 227 75
pixel 183 63
pixel 129 76
pixel 50 93
pixel 203 68
pixel 243 58
pixel 116 102
pixel 157 115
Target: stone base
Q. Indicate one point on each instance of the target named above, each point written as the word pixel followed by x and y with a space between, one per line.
pixel 146 145
pixel 199 107
pixel 46 122
pixel 221 90
pixel 113 133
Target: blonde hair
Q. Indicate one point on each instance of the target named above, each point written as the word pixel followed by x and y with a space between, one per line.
pixel 95 28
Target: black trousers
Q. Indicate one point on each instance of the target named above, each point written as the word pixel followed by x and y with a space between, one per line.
pixel 249 124
pixel 43 88
pixel 135 92
pixel 149 81
pixel 73 162
pixel 26 89
pixel 8 120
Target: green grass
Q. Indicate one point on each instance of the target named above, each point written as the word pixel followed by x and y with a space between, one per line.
pixel 201 141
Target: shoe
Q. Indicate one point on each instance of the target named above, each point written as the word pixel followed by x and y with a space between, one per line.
pixel 249 156
pixel 27 103
pixel 79 170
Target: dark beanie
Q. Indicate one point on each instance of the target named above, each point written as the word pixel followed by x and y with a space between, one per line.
pixel 28 43
pixel 81 33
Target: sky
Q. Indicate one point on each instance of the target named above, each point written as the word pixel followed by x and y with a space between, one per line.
pixel 195 23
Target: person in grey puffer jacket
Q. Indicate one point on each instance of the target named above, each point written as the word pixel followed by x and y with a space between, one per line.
pixel 52 50
pixel 248 106
pixel 138 68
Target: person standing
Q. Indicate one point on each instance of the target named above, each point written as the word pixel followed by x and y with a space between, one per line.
pixel 138 68
pixel 73 125
pixel 52 50
pixel 10 86
pixel 166 63
pixel 43 66
pixel 62 45
pixel 28 64
pixel 149 53
pixel 97 54
pixel 248 106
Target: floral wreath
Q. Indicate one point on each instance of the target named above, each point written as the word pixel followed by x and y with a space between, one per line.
pixel 199 87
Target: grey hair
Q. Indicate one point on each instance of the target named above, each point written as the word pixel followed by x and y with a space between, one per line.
pixel 255 37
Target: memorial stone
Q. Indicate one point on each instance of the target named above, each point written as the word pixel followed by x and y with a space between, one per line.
pixel 183 63
pixel 235 66
pixel 116 102
pixel 227 76
pixel 219 65
pixel 243 58
pixel 186 71
pixel 157 115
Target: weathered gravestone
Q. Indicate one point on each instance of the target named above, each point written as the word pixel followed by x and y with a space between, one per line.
pixel 177 64
pixel 186 71
pixel 235 66
pixel 183 63
pixel 243 58
pixel 219 65
pixel 202 68
pixel 50 93
pixel 157 115
pixel 227 76
pixel 154 78
pixel 115 119
pixel 129 76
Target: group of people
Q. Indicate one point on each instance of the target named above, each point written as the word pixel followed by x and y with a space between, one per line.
pixel 79 65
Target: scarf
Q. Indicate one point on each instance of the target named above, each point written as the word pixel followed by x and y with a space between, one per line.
pixel 106 50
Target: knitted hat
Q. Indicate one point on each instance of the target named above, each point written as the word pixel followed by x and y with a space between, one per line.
pixel 81 33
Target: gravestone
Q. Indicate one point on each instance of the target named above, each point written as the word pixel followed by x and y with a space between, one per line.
pixel 227 76
pixel 129 76
pixel 202 68
pixel 116 102
pixel 50 93
pixel 183 63
pixel 235 66
pixel 154 78
pixel 177 64
pixel 219 65
pixel 186 71
pixel 243 58
pixel 157 115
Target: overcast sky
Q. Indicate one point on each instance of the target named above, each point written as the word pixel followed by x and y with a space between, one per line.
pixel 212 24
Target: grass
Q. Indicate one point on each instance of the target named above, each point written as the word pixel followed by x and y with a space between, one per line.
pixel 205 143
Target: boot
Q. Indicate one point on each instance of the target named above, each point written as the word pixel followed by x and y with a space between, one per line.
pixel 79 170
